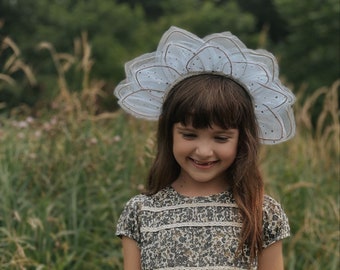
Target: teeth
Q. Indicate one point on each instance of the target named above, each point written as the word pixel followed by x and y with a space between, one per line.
pixel 203 163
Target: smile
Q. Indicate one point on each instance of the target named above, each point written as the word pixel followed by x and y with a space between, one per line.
pixel 203 164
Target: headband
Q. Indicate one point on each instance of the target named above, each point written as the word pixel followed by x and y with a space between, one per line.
pixel 181 54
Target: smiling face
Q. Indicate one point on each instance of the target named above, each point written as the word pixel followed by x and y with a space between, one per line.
pixel 204 155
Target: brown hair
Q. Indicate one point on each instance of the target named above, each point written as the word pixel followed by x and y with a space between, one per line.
pixel 203 100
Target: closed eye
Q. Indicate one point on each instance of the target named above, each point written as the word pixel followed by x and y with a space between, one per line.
pixel 189 136
pixel 221 139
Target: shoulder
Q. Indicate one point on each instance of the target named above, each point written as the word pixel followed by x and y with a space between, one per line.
pixel 133 214
pixel 275 221
pixel 136 201
pixel 132 207
pixel 273 210
pixel 128 222
pixel 271 205
pixel 140 201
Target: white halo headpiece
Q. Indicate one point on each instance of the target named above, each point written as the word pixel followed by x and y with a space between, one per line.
pixel 181 54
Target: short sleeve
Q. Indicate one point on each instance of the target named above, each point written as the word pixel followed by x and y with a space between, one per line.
pixel 128 222
pixel 275 222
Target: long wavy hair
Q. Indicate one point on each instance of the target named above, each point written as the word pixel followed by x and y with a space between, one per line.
pixel 203 100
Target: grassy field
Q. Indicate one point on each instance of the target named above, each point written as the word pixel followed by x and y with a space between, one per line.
pixel 66 174
pixel 65 178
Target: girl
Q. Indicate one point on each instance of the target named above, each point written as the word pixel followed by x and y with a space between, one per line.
pixel 204 206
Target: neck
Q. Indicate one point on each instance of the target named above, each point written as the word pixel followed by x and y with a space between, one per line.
pixel 190 189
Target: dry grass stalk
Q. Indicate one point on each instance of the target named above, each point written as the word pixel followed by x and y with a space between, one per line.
pixel 78 103
pixel 325 133
pixel 62 63
pixel 20 65
pixel 8 79
pixel 14 64
pixel 303 112
pixel 328 126
pixel 7 42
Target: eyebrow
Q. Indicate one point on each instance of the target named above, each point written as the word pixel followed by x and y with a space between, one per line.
pixel 230 131
pixel 185 128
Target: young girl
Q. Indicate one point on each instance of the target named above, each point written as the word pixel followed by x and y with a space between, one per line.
pixel 204 206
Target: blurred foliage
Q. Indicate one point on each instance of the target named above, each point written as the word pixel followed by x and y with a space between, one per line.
pixel 16 77
pixel 310 52
pixel 304 35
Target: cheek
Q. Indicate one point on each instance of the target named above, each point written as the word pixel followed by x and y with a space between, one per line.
pixel 180 147
pixel 175 145
pixel 229 152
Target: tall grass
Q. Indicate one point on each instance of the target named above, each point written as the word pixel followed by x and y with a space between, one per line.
pixel 304 174
pixel 65 176
pixel 62 186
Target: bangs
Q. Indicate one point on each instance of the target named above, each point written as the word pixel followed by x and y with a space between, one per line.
pixel 207 100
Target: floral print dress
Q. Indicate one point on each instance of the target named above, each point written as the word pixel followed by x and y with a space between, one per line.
pixel 177 232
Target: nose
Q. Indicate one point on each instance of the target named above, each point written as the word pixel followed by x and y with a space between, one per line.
pixel 204 150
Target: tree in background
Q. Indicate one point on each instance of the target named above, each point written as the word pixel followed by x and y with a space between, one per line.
pixel 303 34
pixel 114 31
pixel 117 30
pixel 310 52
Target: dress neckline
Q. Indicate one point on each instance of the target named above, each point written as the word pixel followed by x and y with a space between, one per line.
pixel 216 195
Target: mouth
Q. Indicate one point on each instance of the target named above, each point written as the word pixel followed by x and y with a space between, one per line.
pixel 203 164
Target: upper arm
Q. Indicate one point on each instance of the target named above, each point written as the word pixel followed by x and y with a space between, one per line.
pixel 131 254
pixel 271 257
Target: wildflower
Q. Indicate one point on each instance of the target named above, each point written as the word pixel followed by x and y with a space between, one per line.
pixel 117 138
pixel 37 133
pixel 20 124
pixel 29 120
pixel 93 141
pixel 47 126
